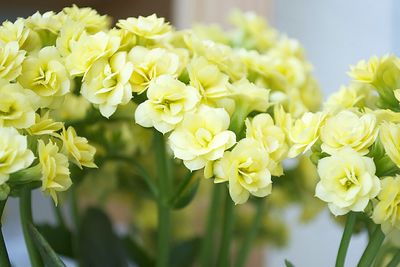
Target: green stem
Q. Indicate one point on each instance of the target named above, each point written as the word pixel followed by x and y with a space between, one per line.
pixel 372 249
pixel 395 261
pixel 181 187
pixel 74 206
pixel 59 216
pixel 227 230
pixel 4 260
pixel 206 255
pixel 26 218
pixel 76 221
pixel 162 201
pixel 346 237
pixel 251 234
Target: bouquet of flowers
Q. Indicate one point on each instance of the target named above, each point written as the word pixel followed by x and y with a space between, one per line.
pixel 185 126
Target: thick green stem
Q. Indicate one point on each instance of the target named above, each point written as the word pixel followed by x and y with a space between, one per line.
pixel 4 260
pixel 206 252
pixel 395 261
pixel 251 234
pixel 162 201
pixel 227 230
pixel 372 249
pixel 26 219
pixel 346 237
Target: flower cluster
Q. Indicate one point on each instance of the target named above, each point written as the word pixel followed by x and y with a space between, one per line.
pixel 355 143
pixel 34 81
pixel 212 95
pixel 213 98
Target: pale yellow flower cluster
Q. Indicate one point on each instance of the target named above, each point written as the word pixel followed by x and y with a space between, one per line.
pixel 212 95
pixel 34 81
pixel 207 95
pixel 355 143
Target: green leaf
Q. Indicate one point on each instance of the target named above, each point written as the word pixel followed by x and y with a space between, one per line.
pixel 59 238
pixel 49 256
pixel 136 253
pixel 186 191
pixel 98 244
pixel 288 264
pixel 184 253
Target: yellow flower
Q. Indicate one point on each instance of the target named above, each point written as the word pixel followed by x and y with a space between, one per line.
pixel 128 40
pixel 349 129
pixel 149 64
pixel 202 136
pixel 389 134
pixel 70 33
pixel 386 209
pixel 272 138
pixel 253 31
pixel 305 132
pixel 92 21
pixel 382 74
pixel 347 182
pixel 246 169
pixel 46 25
pixel 18 32
pixel 47 21
pixel 14 154
pixel 207 78
pixel 221 55
pixel 80 152
pixel 211 32
pixel 15 107
pixel 44 125
pixel 288 47
pixel 168 101
pixel 354 95
pixel 107 83
pixel 45 75
pixel 149 27
pixel 11 59
pixel 293 69
pixel 54 169
pixel 88 49
pixel 365 71
pixel 250 97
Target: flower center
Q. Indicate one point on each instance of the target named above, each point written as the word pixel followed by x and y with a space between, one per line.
pixel 7 109
pixel 46 78
pixel 350 179
pixel 203 137
pixel 245 172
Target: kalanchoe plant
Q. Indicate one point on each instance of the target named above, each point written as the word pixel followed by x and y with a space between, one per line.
pixel 159 104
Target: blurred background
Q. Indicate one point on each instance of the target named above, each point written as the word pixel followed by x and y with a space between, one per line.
pixel 335 34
